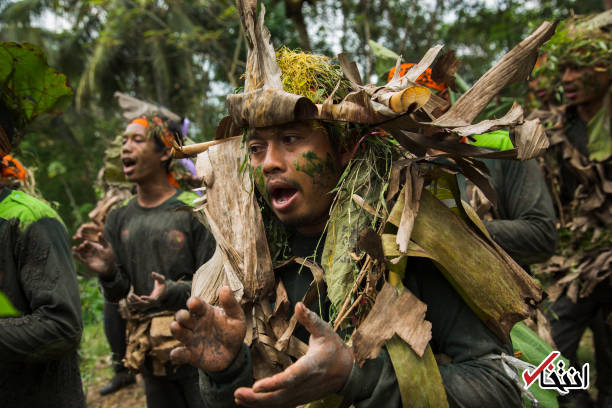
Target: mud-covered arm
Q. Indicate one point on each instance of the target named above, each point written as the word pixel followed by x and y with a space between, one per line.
pixel 218 388
pixel 52 327
pixel 115 285
pixel 526 228
pixel 203 247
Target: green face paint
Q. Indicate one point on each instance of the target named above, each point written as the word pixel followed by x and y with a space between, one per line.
pixel 319 169
pixel 260 181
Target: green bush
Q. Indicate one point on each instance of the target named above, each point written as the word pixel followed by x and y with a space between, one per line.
pixel 92 300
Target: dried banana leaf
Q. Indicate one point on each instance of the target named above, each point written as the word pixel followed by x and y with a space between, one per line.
pixel 402 314
pixel 134 107
pixel 235 221
pixel 462 255
pixel 418 378
pixel 514 66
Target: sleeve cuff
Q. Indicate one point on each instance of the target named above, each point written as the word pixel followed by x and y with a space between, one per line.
pixel 238 366
pixel 363 380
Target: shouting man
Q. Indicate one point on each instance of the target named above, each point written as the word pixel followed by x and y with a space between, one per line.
pixel 155 250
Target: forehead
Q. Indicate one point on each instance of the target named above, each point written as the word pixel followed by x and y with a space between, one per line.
pixel 311 128
pixel 135 129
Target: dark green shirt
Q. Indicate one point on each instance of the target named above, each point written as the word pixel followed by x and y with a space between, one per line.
pixel 525 224
pixel 457 332
pixel 38 350
pixel 162 239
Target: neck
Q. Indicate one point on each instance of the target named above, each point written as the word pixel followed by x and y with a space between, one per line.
pixel 154 191
pixel 312 228
pixel 587 110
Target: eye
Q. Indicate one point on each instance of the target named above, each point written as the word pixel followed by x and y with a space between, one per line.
pixel 289 139
pixel 256 148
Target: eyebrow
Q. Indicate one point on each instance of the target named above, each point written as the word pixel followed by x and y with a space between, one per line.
pixel 251 134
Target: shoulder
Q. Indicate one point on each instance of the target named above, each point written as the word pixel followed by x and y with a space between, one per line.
pixel 121 207
pixel 26 209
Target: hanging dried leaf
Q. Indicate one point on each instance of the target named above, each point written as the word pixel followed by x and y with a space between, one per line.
pixel 402 314
pixel 235 220
pixel 515 65
pixel 411 203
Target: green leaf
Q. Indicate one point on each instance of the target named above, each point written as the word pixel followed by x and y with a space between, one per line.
pixel 600 141
pixel 6 308
pixel 29 86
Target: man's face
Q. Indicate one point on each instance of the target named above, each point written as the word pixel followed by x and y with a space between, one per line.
pixel 296 166
pixel 583 84
pixel 139 155
pixel 541 89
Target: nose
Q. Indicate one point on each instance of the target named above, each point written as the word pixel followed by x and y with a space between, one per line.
pixel 126 146
pixel 274 160
pixel 568 75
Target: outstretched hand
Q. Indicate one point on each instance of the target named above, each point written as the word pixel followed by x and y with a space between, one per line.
pixel 211 336
pixel 155 297
pixel 97 256
pixel 323 370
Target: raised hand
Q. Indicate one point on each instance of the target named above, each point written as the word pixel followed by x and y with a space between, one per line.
pixel 323 370
pixel 97 256
pixel 211 336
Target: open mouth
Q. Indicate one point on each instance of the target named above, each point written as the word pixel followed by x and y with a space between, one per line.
pixel 282 197
pixel 570 93
pixel 128 165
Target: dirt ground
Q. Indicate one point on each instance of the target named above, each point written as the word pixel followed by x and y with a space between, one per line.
pixel 131 396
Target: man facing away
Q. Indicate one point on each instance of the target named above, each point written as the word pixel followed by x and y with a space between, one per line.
pixel 153 253
pixel 39 365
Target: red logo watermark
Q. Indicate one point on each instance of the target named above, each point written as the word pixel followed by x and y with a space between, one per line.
pixel 555 376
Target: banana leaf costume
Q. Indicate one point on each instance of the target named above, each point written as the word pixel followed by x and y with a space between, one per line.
pixel 395 215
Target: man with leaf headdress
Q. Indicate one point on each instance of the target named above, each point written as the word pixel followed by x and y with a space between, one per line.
pixel 329 237
pixel 39 364
pixel 580 169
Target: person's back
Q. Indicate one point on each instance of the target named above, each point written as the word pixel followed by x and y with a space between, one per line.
pixel 39 362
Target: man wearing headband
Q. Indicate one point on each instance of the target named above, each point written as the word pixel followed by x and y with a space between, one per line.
pixel 148 255
pixel 39 364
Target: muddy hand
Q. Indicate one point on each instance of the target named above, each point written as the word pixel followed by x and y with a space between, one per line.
pixel 97 256
pixel 157 294
pixel 323 370
pixel 211 336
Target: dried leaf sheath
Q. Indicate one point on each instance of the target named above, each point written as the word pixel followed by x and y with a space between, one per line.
pixel 235 220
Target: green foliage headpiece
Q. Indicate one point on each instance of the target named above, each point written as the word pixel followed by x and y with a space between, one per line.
pixel 581 41
pixel 29 89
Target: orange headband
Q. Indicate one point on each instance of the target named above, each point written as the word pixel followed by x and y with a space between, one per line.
pixel 166 136
pixel 424 79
